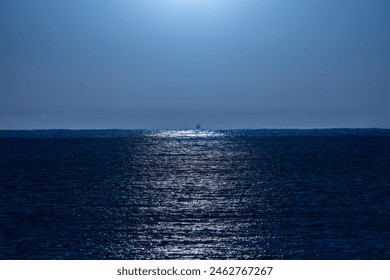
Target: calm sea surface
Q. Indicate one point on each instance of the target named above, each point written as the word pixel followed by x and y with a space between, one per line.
pixel 185 194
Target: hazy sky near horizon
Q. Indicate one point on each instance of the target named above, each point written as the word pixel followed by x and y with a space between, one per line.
pixel 174 63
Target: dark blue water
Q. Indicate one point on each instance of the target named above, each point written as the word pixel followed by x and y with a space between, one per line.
pixel 170 194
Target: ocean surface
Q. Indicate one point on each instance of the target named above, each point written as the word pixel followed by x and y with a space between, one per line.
pixel 195 194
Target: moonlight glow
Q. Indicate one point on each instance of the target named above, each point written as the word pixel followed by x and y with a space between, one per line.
pixel 193 8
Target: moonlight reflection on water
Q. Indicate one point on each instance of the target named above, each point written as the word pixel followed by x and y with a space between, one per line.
pixel 192 196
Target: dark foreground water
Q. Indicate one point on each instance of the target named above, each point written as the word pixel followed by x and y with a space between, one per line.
pixel 169 194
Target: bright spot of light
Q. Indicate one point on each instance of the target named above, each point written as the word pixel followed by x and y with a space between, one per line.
pixel 192 8
pixel 197 3
pixel 186 133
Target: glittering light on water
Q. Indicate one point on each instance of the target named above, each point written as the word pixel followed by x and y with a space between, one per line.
pixel 186 133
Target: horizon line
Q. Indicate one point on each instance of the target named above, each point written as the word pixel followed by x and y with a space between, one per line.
pixel 264 128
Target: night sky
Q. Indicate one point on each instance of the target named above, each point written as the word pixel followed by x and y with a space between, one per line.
pixel 174 63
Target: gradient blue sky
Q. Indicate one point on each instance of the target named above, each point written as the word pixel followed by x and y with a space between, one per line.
pixel 173 63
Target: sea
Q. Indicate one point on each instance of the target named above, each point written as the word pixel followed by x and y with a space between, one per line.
pixel 264 194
